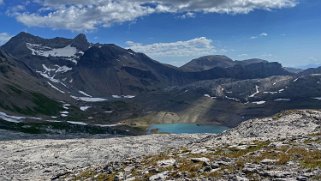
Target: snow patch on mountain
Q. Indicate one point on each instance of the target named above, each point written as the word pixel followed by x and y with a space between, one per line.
pixel 281 90
pixel 271 93
pixel 66 106
pixel 259 102
pixel 15 119
pixel 69 53
pixel 89 99
pixel 12 119
pixel 109 125
pixel 256 92
pixel 77 123
pixel 129 96
pixel 116 96
pixel 85 94
pixel 207 95
pixel 123 96
pixel 232 99
pixel 56 88
pixel 51 78
pixel 62 69
pixel 282 100
pixel 84 108
pixel 50 73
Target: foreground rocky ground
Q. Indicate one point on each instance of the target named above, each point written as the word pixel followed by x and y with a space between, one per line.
pixel 284 147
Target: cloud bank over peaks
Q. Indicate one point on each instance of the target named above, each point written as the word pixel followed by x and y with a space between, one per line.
pixel 84 15
pixel 194 47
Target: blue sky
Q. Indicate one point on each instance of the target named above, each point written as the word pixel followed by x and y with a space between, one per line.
pixel 176 31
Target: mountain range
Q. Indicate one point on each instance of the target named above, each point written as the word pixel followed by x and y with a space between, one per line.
pixel 73 80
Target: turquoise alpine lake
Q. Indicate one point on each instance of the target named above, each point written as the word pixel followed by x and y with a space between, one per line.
pixel 180 128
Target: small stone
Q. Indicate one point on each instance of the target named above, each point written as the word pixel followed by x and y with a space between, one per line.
pixel 250 168
pixel 277 144
pixel 221 162
pixel 215 165
pixel 268 161
pixel 240 147
pixel 207 169
pixel 129 168
pixel 166 163
pixel 159 177
pixel 302 178
pixel 108 169
pixel 199 151
pixel 215 170
pixel 225 159
pixel 203 159
pixel 130 179
pixel 238 178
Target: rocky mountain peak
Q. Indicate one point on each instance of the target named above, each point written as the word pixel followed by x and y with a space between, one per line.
pixel 22 37
pixel 208 62
pixel 80 42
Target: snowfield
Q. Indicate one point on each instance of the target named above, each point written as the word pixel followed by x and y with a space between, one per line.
pixel 85 94
pixel 256 92
pixel 15 119
pixel 56 88
pixel 45 51
pixel 259 102
pixel 77 123
pixel 123 96
pixel 89 99
pixel 12 119
pixel 85 108
pixel 68 52
pixel 282 100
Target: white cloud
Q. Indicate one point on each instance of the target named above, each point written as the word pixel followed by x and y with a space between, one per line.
pixel 176 53
pixel 1 2
pixel 194 47
pixel 263 34
pixel 4 37
pixel 243 55
pixel 260 35
pixel 83 15
pixel 188 15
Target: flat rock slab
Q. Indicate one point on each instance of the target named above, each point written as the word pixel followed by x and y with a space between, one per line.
pixel 40 159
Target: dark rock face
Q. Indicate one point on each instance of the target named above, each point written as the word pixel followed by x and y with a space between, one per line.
pixel 217 61
pixel 80 42
pixel 258 70
pixel 101 56
pixel 251 61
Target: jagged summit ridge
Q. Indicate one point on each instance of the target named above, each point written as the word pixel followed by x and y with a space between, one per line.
pixel 81 42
